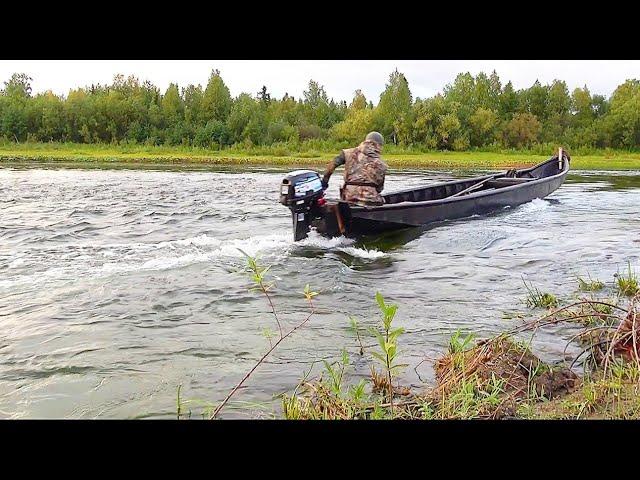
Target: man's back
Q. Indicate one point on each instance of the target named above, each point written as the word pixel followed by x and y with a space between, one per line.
pixel 364 171
pixel 364 175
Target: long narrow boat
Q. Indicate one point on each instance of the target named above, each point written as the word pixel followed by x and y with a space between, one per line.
pixel 302 192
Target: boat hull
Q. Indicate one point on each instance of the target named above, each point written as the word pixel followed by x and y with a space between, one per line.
pixel 403 211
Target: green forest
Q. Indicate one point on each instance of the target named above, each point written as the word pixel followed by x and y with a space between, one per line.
pixel 472 112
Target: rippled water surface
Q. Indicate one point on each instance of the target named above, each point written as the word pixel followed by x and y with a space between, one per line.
pixel 116 286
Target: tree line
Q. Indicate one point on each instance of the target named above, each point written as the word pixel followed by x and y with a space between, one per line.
pixel 471 112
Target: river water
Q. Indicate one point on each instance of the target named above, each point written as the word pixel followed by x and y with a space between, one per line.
pixel 117 286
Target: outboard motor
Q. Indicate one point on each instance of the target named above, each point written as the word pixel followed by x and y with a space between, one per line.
pixel 302 192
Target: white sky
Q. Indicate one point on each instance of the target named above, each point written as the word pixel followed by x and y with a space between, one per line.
pixel 339 77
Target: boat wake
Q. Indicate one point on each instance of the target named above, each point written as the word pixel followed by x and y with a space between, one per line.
pixel 271 245
pixel 535 205
pixel 72 262
pixel 342 244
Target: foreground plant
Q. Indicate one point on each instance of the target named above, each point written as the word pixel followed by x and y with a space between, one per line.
pixel 499 377
pixel 627 284
pixel 614 395
pixel 329 398
pixel 590 285
pixel 388 342
pixel 536 298
pixel 258 275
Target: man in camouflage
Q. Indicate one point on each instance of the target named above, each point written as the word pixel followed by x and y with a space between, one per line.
pixel 364 172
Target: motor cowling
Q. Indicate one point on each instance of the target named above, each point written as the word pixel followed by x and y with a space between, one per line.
pixel 300 185
pixel 302 192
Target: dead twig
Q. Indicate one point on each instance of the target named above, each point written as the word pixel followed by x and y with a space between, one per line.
pixel 539 322
pixel 259 362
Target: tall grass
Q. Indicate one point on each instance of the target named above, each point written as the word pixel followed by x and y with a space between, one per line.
pixel 590 285
pixel 535 298
pixel 627 283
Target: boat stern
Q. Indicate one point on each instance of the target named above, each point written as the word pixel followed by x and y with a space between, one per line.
pixel 302 192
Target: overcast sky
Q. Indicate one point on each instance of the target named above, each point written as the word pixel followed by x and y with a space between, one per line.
pixel 339 77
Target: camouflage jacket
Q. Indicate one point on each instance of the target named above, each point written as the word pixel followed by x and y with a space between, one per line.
pixel 363 165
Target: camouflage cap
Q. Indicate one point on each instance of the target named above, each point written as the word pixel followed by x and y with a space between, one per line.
pixel 375 137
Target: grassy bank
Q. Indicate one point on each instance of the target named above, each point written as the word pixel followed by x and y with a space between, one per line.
pixel 495 378
pixel 396 157
pixel 500 377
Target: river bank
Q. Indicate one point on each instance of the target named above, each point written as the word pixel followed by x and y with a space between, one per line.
pixel 73 155
pixel 492 378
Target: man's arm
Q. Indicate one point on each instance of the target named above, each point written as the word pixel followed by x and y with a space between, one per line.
pixel 333 164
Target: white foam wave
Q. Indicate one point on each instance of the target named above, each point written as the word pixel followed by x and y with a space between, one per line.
pixel 232 249
pixel 158 263
pixel 181 252
pixel 136 257
pixel 16 263
pixel 199 241
pixel 342 244
pixel 256 245
pixel 316 240
pixel 363 252
pixel 536 205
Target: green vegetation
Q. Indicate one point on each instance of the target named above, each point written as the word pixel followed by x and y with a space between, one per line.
pixel 459 344
pixel 309 153
pixel 257 273
pixel 627 284
pixel 471 114
pixel 332 399
pixel 590 285
pixel 536 298
pixel 498 377
pixel 388 342
pixel 612 396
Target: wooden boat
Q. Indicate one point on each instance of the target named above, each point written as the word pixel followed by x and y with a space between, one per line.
pixel 302 192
